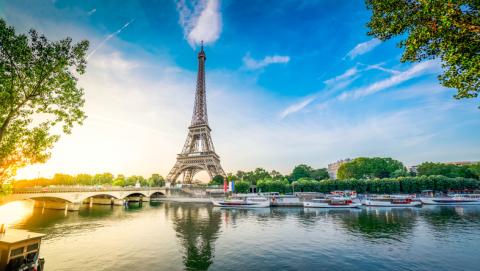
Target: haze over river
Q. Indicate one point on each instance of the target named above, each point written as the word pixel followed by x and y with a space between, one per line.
pixel 182 236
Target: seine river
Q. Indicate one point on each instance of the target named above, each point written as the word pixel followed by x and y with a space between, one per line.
pixel 181 236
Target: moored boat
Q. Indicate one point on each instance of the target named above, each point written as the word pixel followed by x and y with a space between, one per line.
pixel 391 201
pixel 331 202
pixel 247 202
pixel 456 199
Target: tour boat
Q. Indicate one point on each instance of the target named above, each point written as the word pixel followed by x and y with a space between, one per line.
pixel 247 202
pixel 391 201
pixel 456 199
pixel 331 202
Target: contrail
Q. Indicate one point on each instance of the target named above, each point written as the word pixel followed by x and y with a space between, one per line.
pixel 108 38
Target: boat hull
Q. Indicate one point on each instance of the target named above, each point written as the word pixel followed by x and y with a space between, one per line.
pixel 373 203
pixel 308 204
pixel 229 204
pixel 449 201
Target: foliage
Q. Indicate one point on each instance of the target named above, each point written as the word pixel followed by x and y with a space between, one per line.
pixel 375 167
pixel 217 180
pixel 448 170
pixel 242 187
pixel 37 79
pixel 156 180
pixel 104 179
pixel 388 185
pixel 5 189
pixel 270 185
pixel 305 171
pixel 475 169
pixel 448 30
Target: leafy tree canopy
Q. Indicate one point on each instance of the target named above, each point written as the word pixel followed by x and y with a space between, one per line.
pixel 217 180
pixel 448 30
pixel 448 170
pixel 364 167
pixel 305 171
pixel 38 91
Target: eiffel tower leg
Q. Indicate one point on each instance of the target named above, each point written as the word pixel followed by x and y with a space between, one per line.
pixel 174 173
pixel 187 177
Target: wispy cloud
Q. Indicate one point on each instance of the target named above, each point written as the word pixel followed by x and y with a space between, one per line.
pixel 253 64
pixel 415 71
pixel 91 12
pixel 200 20
pixel 296 107
pixel 107 38
pixel 363 48
pixel 347 74
pixel 380 68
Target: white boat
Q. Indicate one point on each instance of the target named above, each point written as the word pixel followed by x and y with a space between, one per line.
pixel 247 202
pixel 391 201
pixel 456 199
pixel 332 202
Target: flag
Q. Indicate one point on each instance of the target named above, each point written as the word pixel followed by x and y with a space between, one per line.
pixel 225 186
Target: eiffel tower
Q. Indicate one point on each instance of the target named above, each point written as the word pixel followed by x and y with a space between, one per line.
pixel 198 153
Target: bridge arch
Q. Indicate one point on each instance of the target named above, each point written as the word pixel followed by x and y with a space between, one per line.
pixel 97 195
pixel 135 193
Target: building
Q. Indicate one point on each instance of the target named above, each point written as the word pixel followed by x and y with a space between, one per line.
pixel 333 168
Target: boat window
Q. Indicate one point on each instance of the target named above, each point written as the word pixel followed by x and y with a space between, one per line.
pixel 32 247
pixel 16 252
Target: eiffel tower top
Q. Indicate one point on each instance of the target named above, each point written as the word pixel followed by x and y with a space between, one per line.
pixel 200 108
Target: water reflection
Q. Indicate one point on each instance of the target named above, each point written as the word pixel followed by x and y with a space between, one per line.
pixel 445 218
pixel 390 223
pixel 197 227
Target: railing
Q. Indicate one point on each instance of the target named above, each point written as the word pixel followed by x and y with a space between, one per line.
pixel 67 189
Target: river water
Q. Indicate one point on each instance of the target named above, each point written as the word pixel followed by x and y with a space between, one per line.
pixel 182 236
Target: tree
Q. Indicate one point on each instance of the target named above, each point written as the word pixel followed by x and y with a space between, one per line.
pixel 448 30
pixel 36 79
pixel 119 180
pixel 364 167
pixel 475 169
pixel 448 170
pixel 156 180
pixel 217 180
pixel 305 171
pixel 301 171
pixel 319 174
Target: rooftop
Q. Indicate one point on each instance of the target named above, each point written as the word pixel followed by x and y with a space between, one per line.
pixel 12 236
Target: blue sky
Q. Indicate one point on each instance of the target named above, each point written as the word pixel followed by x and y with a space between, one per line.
pixel 288 82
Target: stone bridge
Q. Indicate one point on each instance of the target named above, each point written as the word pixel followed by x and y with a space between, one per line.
pixel 70 198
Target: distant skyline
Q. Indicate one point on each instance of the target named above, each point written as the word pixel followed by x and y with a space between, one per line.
pixel 288 82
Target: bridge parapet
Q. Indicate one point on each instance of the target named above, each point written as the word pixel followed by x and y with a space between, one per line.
pixel 76 189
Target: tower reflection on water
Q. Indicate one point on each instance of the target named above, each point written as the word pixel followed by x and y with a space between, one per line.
pixel 197 227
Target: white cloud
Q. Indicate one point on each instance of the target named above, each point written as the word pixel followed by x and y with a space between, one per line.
pixel 380 68
pixel 363 48
pixel 415 71
pixel 346 75
pixel 201 21
pixel 107 38
pixel 253 64
pixel 91 12
pixel 296 107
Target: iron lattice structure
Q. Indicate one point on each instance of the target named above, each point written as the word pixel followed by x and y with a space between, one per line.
pixel 198 153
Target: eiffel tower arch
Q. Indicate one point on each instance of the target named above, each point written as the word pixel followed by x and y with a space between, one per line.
pixel 198 153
